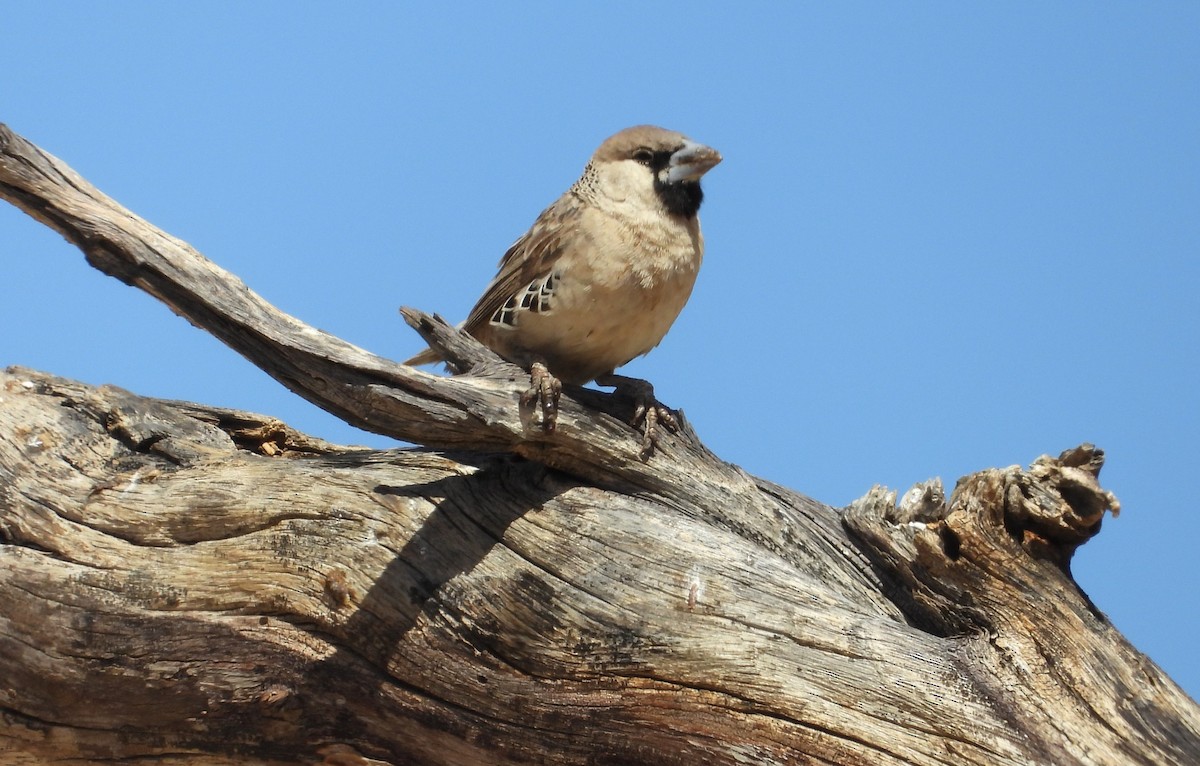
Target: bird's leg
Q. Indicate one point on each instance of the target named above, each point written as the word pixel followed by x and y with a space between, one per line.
pixel 648 411
pixel 544 388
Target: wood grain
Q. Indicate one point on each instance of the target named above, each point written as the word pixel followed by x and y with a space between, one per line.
pixel 183 584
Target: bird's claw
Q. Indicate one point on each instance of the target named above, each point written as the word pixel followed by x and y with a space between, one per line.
pixel 650 414
pixel 544 388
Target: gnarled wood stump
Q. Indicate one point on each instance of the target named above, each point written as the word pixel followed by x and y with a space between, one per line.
pixel 184 584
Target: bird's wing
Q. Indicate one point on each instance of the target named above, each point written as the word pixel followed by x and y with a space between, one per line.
pixel 532 257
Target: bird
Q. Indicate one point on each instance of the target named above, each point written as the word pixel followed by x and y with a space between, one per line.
pixel 602 274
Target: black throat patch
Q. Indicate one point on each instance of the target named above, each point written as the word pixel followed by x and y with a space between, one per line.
pixel 680 198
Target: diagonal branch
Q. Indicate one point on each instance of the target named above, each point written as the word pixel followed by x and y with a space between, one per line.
pixel 480 411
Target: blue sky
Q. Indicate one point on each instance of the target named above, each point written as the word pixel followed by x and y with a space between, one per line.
pixel 945 237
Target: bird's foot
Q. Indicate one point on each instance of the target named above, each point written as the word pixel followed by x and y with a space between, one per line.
pixel 546 389
pixel 648 412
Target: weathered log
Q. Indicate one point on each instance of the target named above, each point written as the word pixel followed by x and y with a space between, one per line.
pixel 184 584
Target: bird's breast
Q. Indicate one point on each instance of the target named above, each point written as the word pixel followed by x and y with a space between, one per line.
pixel 615 297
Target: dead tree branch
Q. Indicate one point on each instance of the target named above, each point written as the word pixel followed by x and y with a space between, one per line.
pixel 184 584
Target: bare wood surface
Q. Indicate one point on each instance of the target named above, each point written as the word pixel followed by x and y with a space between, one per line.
pixel 182 584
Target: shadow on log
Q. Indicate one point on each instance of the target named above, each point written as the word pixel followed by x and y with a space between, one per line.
pixel 181 584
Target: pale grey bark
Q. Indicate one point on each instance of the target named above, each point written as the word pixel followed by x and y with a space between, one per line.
pixel 181 584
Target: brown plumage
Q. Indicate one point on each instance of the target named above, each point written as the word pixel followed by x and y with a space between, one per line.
pixel 604 271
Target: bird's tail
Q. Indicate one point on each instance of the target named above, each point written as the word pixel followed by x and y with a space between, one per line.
pixel 428 356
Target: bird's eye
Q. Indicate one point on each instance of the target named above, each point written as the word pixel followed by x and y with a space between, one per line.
pixel 644 156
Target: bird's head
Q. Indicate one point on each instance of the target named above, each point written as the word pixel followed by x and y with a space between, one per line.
pixel 649 165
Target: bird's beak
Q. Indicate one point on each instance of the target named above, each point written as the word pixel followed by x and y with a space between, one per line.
pixel 691 161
